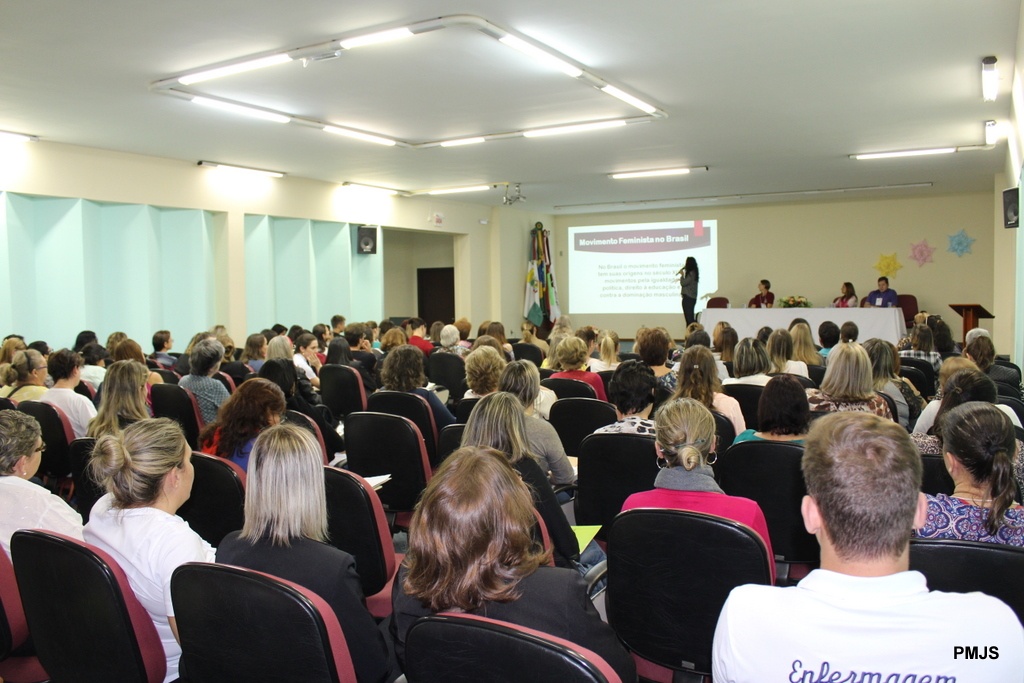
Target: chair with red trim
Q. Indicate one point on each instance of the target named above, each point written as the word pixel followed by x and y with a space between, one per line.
pixel 411 406
pixel 57 436
pixel 306 422
pixel 342 389
pixel 356 523
pixel 577 418
pixel 465 648
pixel 669 573
pixel 18 662
pixel 241 625
pixel 216 506
pixel 565 387
pixel 87 490
pixel 378 443
pixel 86 623
pixel 179 404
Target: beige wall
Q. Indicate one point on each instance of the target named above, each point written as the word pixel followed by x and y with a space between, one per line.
pixel 404 252
pixel 811 248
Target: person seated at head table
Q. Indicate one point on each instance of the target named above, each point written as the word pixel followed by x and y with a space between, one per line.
pixel 883 297
pixel 847 297
pixel 764 297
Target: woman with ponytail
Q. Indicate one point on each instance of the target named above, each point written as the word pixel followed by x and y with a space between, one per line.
pixel 698 379
pixel 979 449
pixel 686 448
pixel 608 347
pixel 147 472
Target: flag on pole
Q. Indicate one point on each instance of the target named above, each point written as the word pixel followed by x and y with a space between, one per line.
pixel 532 309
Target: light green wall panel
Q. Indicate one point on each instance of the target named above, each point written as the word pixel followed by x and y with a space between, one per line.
pixel 367 280
pixel 332 256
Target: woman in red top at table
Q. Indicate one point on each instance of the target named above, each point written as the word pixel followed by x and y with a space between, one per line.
pixel 764 298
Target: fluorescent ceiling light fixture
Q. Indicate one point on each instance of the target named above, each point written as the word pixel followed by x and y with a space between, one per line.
pixel 989 79
pixel 240 67
pixel 241 109
pixel 358 135
pixel 456 190
pixel 656 173
pixel 904 153
pixel 16 137
pixel 575 128
pixel 462 141
pixel 541 55
pixel 992 133
pixel 375 38
pixel 241 169
pixel 629 99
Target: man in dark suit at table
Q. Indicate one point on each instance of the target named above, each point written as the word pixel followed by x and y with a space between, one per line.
pixel 883 297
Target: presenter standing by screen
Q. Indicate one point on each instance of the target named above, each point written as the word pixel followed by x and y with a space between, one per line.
pixel 689 276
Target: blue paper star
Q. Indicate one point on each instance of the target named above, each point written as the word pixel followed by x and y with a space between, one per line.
pixel 960 243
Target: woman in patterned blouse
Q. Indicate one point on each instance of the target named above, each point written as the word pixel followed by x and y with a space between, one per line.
pixel 848 384
pixel 980 447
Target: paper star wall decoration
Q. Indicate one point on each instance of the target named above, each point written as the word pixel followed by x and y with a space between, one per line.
pixel 921 252
pixel 887 265
pixel 960 243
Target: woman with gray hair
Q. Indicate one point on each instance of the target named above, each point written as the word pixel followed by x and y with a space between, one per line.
pixel 285 534
pixel 204 363
pixel 521 378
pixel 449 340
pixel 24 504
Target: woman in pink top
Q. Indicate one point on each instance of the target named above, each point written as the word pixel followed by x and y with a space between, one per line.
pixel 685 451
pixel 571 355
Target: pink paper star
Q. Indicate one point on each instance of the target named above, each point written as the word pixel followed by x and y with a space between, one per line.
pixel 921 253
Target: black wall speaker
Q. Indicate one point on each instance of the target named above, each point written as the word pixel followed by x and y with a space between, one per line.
pixel 1011 206
pixel 367 239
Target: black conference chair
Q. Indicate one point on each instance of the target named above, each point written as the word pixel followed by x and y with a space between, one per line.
pixel 725 431
pixel 413 407
pixel 926 369
pixel 217 504
pixel 1016 404
pixel 466 648
pixel 87 491
pixel 891 402
pixel 179 404
pixel 576 418
pixel 669 573
pixel 768 473
pixel 168 376
pixel 342 390
pixel 448 370
pixel 464 409
pixel 569 388
pixel 309 424
pixel 57 436
pixel 450 440
pixel 18 661
pixel 1009 364
pixel 611 467
pixel 748 396
pixel 606 378
pixel 1008 390
pixel 237 371
pixel 935 478
pixel 817 373
pixel 806 382
pixel 523 351
pixel 241 625
pixel 916 378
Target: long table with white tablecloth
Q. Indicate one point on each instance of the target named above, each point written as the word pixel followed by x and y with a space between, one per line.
pixel 883 323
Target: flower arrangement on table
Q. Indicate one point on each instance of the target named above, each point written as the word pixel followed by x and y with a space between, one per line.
pixel 794 302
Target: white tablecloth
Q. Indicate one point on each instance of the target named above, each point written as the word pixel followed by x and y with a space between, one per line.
pixel 883 323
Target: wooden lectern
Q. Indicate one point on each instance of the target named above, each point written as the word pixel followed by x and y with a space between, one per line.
pixel 971 313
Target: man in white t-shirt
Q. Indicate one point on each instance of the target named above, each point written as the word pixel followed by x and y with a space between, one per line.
pixel 863 616
pixel 65 367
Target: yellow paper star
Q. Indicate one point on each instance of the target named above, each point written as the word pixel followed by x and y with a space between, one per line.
pixel 887 265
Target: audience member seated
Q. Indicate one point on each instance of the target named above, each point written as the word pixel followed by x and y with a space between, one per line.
pixel 686 448
pixel 360 340
pixel 571 355
pixel 631 391
pixel 403 371
pixel 727 350
pixel 65 367
pixel 282 348
pixel 147 472
pixel 751 364
pixel 698 379
pixel 449 339
pixel 983 353
pixel 115 338
pixel 181 364
pixel 944 338
pixel 764 297
pixel 498 421
pixel 828 337
pixel 129 349
pixel 306 359
pixel 487 340
pixel 324 335
pixel 803 345
pixel 848 332
pixel 417 330
pixel 653 346
pixel 608 352
pixel 883 297
pixel 763 334
pixel 522 379
pixel 255 405
pixel 780 353
pixel 340 353
pixel 282 372
pixel 255 352
pixel 204 363
pixel 848 384
pixel 96 361
pixel 517 378
pixel 527 332
pixel 556 336
pixel 979 449
pixel 483 369
pixel 782 413
pixel 25 504
pixel 471 550
pixel 886 381
pixel 847 297
pixel 24 377
pixel 922 347
pixel 11 346
pixel 589 334
pixel 863 610
pixel 162 343
pixel 497 330
pixel 123 400
pixel 285 535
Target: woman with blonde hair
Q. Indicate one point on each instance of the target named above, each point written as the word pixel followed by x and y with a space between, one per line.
pixel 780 353
pixel 571 356
pixel 608 348
pixel 528 334
pixel 147 472
pixel 24 378
pixel 698 379
pixel 123 400
pixel 521 379
pixel 949 367
pixel 115 338
pixel 883 357
pixel 10 347
pixel 471 550
pixel 685 447
pixel 483 369
pixel 129 349
pixel 285 535
pixel 803 345
pixel 498 421
pixel 751 364
pixel 848 384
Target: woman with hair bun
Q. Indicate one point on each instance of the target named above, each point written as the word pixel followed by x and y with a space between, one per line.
pixel 979 448
pixel 24 378
pixel 685 448
pixel 471 549
pixel 147 472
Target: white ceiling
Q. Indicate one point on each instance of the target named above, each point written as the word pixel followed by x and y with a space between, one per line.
pixel 773 97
